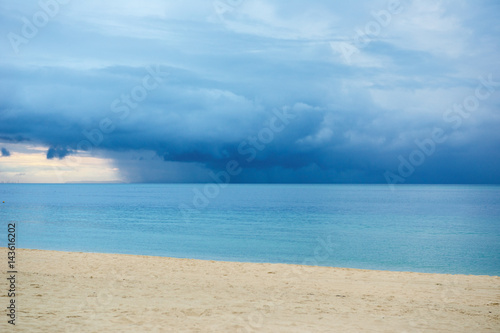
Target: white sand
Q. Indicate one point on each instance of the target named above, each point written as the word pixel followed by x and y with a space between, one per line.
pixel 79 292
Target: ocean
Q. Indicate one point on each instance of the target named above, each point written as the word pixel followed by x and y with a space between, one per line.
pixel 421 228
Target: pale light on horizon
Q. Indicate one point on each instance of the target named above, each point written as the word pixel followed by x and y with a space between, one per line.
pixel 29 164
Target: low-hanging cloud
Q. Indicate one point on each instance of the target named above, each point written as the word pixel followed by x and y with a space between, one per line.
pixel 5 152
pixel 57 152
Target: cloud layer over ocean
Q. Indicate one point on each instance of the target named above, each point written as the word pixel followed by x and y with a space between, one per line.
pixel 293 91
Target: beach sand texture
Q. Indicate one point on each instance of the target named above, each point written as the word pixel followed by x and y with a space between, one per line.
pixel 91 292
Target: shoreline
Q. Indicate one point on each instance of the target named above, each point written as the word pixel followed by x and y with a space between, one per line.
pixel 121 292
pixel 255 262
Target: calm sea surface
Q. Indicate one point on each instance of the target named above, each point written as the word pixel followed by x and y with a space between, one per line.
pixel 438 229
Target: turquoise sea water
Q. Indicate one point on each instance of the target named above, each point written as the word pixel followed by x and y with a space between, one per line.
pixel 438 229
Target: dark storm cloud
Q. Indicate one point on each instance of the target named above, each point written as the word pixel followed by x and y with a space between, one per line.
pixel 57 152
pixel 5 152
pixel 195 90
pixel 11 139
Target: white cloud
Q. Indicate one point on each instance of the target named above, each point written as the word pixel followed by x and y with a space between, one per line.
pixel 432 26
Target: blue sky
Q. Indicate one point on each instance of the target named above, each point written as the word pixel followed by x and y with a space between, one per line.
pixel 283 91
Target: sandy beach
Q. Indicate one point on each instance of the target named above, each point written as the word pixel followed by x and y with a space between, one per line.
pixel 91 292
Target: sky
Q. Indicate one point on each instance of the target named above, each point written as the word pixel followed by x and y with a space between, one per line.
pixel 250 91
